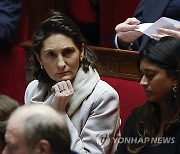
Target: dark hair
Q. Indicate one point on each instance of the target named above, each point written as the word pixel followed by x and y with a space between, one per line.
pixel 165 54
pixel 56 133
pixel 59 23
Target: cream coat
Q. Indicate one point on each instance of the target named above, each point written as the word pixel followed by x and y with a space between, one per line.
pixel 93 123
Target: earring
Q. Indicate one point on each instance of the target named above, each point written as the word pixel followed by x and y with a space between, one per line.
pixel 81 58
pixel 174 91
pixel 82 54
pixel 42 67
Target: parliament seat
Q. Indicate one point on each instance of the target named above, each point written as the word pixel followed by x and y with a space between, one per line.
pixel 119 69
pixel 13 62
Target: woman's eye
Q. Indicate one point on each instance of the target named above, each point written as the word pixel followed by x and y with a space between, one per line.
pixel 51 54
pixel 68 52
pixel 149 76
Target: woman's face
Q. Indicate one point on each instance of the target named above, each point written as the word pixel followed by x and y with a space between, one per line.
pixel 157 84
pixel 60 57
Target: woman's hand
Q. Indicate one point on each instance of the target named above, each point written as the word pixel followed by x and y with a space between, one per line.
pixel 126 32
pixel 63 93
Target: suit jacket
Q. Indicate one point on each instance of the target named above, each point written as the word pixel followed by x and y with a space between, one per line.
pixel 149 11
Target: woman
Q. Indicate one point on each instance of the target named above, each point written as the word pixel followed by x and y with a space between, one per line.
pixel 154 127
pixel 7 105
pixel 66 80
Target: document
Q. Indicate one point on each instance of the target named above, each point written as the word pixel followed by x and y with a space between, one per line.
pixel 163 22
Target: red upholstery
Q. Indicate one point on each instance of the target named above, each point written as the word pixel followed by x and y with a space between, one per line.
pixel 12 64
pixel 12 73
pixel 131 95
pixel 113 12
pixel 82 11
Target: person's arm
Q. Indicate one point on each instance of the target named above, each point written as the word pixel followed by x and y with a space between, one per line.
pixel 126 36
pixel 126 33
pixel 9 19
pixel 100 128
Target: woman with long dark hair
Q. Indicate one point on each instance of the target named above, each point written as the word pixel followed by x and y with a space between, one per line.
pixel 154 127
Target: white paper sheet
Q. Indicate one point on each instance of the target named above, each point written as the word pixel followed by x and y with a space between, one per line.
pixel 143 27
pixel 163 22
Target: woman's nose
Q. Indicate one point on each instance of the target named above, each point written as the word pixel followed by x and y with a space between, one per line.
pixel 61 63
pixel 143 81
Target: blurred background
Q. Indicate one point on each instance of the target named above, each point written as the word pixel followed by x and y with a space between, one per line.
pixel 96 18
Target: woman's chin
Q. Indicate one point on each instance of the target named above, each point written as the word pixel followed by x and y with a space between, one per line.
pixel 151 99
pixel 63 79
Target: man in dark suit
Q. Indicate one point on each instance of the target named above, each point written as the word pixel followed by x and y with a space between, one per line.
pixel 148 11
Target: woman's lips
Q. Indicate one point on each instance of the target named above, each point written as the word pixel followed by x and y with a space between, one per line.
pixel 63 74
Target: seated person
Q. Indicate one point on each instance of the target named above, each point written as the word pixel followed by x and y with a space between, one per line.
pixel 67 81
pixel 150 126
pixel 36 129
pixel 148 11
pixel 7 105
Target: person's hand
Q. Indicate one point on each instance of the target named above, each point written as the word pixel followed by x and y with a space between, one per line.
pixel 63 93
pixel 162 32
pixel 126 32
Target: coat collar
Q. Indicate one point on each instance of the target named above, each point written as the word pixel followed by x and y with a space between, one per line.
pixel 83 86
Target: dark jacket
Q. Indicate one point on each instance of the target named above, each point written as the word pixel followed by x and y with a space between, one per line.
pixel 9 19
pixel 148 11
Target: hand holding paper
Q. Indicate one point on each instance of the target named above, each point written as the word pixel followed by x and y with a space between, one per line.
pixel 162 27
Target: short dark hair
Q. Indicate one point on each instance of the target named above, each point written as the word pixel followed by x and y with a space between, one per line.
pixel 57 23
